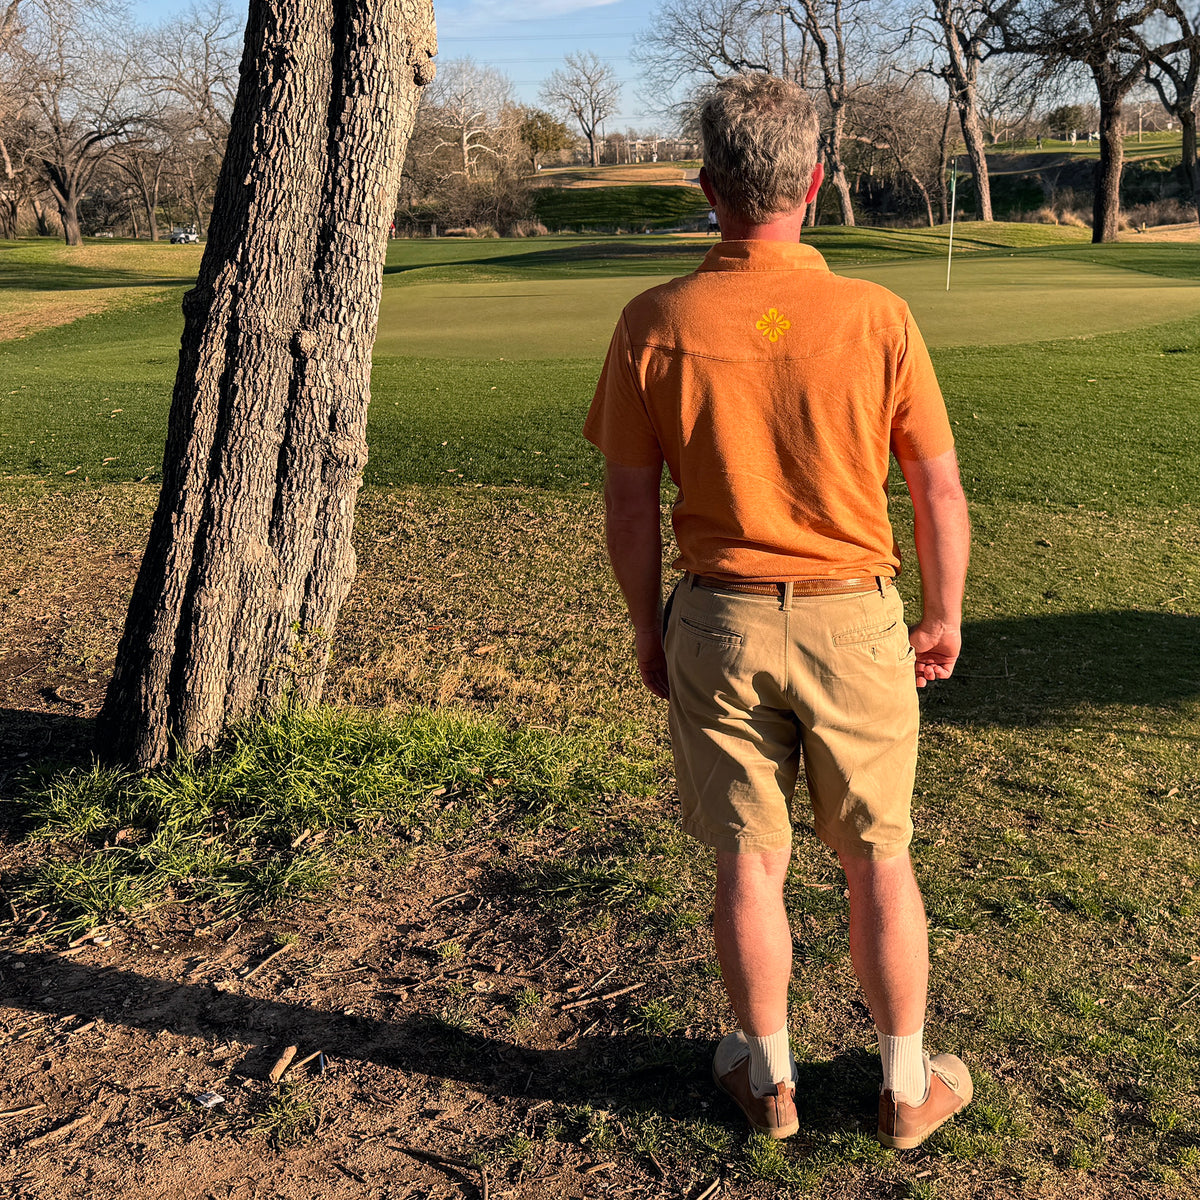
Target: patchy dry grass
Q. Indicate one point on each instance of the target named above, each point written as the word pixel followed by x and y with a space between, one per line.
pixel 1056 836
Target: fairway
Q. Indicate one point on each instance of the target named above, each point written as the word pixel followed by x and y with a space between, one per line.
pixel 993 301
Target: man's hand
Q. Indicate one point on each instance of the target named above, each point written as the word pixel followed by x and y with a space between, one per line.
pixel 652 661
pixel 937 646
pixel 942 531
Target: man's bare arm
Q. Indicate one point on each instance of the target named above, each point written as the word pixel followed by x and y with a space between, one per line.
pixel 631 506
pixel 942 531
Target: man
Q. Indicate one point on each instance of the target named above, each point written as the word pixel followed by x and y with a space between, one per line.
pixel 774 391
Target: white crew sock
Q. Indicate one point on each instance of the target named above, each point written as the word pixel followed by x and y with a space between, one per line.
pixel 770 1061
pixel 904 1066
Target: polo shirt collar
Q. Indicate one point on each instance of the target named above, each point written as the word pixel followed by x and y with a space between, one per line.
pixel 762 256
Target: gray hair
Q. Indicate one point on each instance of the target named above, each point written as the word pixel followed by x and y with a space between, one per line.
pixel 760 137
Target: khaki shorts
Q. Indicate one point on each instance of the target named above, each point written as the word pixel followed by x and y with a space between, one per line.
pixel 759 683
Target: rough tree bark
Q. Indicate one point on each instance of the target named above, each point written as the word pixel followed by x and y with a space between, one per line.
pixel 249 557
pixel 1106 206
pixel 1187 121
pixel 968 111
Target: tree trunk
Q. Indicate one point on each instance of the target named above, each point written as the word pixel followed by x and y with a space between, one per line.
pixel 68 212
pixel 67 200
pixel 149 201
pixel 943 159
pixel 595 149
pixel 1187 123
pixel 43 222
pixel 133 221
pixel 924 192
pixel 973 136
pixel 194 196
pixel 837 172
pixel 9 198
pixel 250 557
pixel 1106 210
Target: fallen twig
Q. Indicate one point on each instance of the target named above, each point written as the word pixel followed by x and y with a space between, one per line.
pixel 282 1063
pixel 59 1131
pixel 249 971
pixel 20 1112
pixel 633 987
pixel 708 1191
pixel 579 987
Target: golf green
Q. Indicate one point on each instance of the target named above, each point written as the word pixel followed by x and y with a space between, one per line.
pixel 992 301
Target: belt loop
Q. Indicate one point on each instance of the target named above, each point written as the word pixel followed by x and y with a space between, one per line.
pixel 787 596
pixel 882 583
pixel 692 577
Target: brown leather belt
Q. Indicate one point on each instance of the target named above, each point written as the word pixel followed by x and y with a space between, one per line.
pixel 800 587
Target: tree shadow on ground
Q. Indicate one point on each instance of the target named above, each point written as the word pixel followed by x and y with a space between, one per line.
pixel 686 254
pixel 29 738
pixel 667 1075
pixel 71 277
pixel 1042 669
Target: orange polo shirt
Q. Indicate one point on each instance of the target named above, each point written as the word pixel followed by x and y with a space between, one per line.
pixel 775 391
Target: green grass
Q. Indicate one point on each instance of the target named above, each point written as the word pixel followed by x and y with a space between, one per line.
pixel 633 207
pixel 230 829
pixel 98 389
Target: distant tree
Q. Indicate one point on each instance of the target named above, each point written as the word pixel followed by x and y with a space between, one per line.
pixel 1174 73
pixel 250 555
pixel 467 104
pixel 962 31
pixel 1065 118
pixel 82 80
pixel 142 160
pixel 839 33
pixel 584 89
pixel 14 102
pixel 709 37
pixel 541 134
pixel 835 50
pixel 1105 37
pixel 897 127
pixel 193 60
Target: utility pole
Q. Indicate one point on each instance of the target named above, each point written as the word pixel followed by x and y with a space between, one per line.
pixel 783 38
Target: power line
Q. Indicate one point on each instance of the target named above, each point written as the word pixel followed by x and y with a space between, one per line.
pixel 532 37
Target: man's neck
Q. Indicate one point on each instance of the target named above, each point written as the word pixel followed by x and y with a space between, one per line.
pixel 785 228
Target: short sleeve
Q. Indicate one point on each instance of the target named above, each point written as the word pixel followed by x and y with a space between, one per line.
pixel 618 422
pixel 920 426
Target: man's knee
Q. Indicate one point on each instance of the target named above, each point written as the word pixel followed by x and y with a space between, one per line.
pixel 877 876
pixel 754 872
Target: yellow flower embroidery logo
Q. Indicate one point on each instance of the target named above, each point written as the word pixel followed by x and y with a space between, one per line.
pixel 771 325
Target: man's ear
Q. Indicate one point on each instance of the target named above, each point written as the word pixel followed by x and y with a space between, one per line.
pixel 818 178
pixel 706 187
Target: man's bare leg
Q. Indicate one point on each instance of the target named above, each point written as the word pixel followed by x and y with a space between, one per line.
pixel 889 946
pixel 754 943
pixel 889 940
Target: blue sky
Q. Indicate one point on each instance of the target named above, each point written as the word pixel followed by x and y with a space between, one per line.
pixel 526 39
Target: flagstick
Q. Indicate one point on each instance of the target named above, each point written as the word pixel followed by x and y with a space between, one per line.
pixel 953 194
